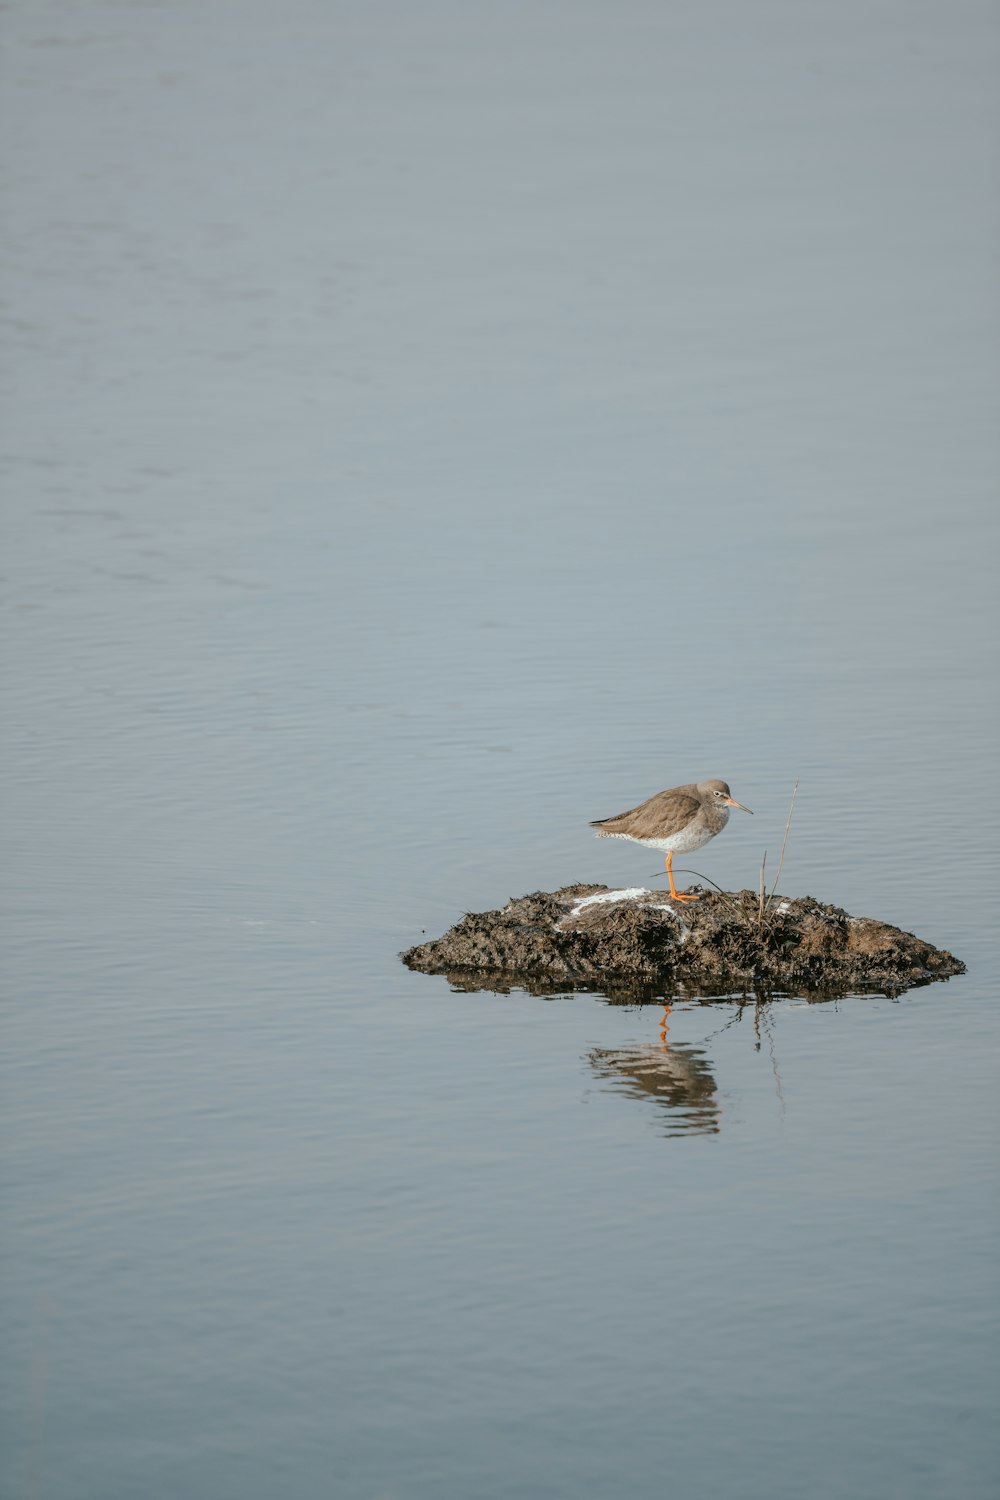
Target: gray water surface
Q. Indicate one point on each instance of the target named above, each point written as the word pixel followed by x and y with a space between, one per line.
pixel 428 428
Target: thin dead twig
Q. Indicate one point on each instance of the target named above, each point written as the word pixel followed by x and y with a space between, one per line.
pixel 784 841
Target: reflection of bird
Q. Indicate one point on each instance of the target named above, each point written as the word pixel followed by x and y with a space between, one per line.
pixel 677 1077
pixel 676 822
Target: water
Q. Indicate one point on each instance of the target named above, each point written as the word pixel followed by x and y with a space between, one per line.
pixel 428 429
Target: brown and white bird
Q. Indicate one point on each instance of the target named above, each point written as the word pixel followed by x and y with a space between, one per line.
pixel 676 822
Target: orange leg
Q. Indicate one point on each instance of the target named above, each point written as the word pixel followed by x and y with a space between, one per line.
pixel 675 894
pixel 664 1028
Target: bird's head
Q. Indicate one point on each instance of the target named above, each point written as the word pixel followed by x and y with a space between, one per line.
pixel 718 793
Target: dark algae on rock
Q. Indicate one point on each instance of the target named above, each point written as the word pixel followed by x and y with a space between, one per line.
pixel 621 940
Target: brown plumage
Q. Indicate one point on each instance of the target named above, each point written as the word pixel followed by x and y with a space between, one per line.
pixel 676 821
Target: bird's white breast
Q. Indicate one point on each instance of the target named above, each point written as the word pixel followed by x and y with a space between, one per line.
pixel 692 837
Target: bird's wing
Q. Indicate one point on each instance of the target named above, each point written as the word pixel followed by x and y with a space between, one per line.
pixel 658 815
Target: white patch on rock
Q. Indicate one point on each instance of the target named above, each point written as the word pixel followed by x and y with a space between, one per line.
pixel 685 929
pixel 604 896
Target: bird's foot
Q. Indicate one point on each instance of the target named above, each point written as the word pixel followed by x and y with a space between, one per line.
pixel 680 896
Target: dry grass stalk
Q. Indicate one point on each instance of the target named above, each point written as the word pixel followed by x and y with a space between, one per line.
pixel 784 841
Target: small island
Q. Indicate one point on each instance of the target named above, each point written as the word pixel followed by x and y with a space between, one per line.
pixel 624 941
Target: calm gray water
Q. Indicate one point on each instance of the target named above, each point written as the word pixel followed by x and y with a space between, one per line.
pixel 429 427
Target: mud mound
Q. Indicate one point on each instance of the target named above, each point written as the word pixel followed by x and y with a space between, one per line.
pixel 623 940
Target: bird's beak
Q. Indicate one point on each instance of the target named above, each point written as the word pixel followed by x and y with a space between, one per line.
pixel 731 802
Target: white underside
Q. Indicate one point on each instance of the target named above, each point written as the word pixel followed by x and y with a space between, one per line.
pixel 676 843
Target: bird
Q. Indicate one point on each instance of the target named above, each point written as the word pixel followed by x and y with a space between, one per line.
pixel 676 821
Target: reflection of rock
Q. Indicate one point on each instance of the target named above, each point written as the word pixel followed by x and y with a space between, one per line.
pixel 586 934
pixel 677 1077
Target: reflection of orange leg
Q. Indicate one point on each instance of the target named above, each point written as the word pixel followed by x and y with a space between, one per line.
pixel 675 894
pixel 664 1028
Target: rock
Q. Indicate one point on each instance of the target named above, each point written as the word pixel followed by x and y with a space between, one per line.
pixel 625 942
